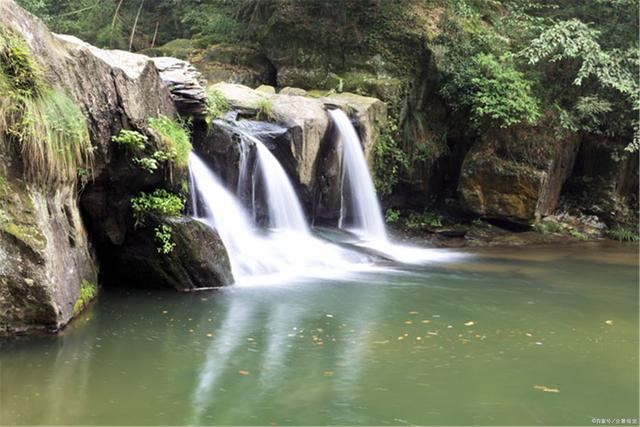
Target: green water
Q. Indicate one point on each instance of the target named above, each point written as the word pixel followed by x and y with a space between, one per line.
pixel 384 348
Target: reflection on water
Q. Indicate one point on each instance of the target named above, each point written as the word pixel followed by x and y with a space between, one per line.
pixel 472 341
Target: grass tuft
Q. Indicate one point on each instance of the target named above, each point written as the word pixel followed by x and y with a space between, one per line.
pixel 174 139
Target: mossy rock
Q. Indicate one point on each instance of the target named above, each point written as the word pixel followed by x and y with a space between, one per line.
pixel 198 258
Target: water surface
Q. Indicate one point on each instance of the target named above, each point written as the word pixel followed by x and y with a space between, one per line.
pixel 503 336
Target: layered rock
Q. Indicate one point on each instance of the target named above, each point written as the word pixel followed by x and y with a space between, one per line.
pixel 517 174
pixel 308 148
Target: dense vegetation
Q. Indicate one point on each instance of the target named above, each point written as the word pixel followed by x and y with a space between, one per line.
pixel 451 71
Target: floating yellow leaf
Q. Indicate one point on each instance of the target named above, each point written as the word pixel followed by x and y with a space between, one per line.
pixel 426 321
pixel 400 338
pixel 546 389
pixel 470 323
pixel 609 322
pixel 413 312
pixel 328 373
pixel 210 335
pixel 433 332
pixel 528 334
pixel 408 322
pixel 244 373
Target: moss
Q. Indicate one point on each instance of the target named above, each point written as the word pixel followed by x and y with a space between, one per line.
pixel 216 106
pixel 88 291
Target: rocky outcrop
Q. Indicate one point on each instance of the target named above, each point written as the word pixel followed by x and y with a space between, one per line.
pixel 46 241
pixel 307 148
pixel 198 260
pixel 184 82
pixel 517 174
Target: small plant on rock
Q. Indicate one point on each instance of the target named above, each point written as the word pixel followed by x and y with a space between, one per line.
pixel 174 139
pixel 130 139
pixel 160 202
pixel 163 237
pixel 265 109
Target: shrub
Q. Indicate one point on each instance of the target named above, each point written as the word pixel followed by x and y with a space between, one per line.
pixel 160 202
pixel 388 159
pixel 502 94
pixel 147 163
pixel 174 139
pixel 391 216
pixel 131 140
pixel 624 234
pixel 163 237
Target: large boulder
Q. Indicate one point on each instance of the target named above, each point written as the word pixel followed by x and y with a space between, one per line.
pixel 517 174
pixel 198 259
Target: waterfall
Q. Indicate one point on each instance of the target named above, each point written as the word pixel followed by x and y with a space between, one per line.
pixel 362 204
pixel 285 211
pixel 288 250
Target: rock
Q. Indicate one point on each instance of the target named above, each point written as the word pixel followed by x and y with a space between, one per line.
pixel 267 89
pixel 293 91
pixel 368 115
pixel 198 260
pixel 604 183
pixel 185 84
pixel 46 244
pixel 516 174
pixel 307 150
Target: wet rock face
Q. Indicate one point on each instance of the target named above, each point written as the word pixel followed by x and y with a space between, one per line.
pixel 185 84
pixel 516 174
pixel 198 260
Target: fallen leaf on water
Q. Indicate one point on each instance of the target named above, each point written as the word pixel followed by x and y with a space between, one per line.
pixel 470 323
pixel 400 337
pixel 250 339
pixel 609 322
pixel 528 334
pixel 408 322
pixel 546 389
pixel 426 321
pixel 433 332
pixel 244 373
pixel 209 335
pixel 329 315
pixel 381 342
pixel 328 373
pixel 413 312
pixel 164 311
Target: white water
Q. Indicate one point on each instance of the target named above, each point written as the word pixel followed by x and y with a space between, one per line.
pixel 258 256
pixel 363 203
pixel 285 211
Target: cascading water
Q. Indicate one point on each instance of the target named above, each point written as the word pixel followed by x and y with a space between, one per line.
pixel 363 203
pixel 285 211
pixel 287 250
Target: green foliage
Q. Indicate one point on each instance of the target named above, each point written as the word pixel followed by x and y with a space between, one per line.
pixel 216 106
pixel 392 216
pixel 265 109
pixel 553 226
pixel 502 94
pixel 624 234
pixel 88 292
pixel 163 237
pixel 423 220
pixel 48 125
pixel 54 138
pixel 130 139
pixel 147 163
pixel 160 202
pixel 174 139
pixel 388 159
